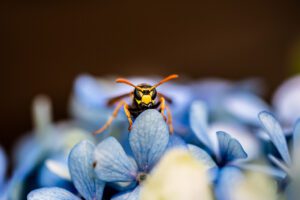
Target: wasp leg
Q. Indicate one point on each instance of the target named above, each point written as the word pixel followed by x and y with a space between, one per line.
pixel 127 112
pixel 170 120
pixel 111 118
pixel 163 107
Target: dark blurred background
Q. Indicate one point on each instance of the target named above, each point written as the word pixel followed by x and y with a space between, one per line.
pixel 44 45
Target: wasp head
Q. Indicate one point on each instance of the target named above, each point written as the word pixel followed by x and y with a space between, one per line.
pixel 145 95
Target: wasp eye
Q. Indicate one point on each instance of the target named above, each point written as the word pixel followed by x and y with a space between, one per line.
pixel 153 94
pixel 138 94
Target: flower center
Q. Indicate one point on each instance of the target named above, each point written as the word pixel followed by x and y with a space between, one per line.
pixel 141 177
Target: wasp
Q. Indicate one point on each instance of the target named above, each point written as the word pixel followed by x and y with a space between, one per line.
pixel 144 96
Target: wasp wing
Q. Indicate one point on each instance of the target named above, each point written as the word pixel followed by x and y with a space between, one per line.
pixel 113 100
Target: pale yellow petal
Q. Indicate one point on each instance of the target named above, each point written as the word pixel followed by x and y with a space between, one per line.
pixel 178 176
pixel 255 186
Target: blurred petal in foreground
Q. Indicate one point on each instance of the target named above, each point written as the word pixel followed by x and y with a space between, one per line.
pixel 235 185
pixel 178 176
pixel 255 186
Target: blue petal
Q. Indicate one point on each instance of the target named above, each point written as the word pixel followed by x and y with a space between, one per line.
pixel 296 140
pixel 28 153
pixel 241 133
pixel 111 162
pixel 88 90
pixel 122 186
pixel 230 148
pixel 271 171
pixel 88 105
pixel 181 98
pixel 286 101
pixel 276 134
pixel 176 142
pixel 280 164
pixel 132 195
pixel 244 106
pixel 52 193
pixel 210 90
pixel 49 178
pixel 149 138
pixel 253 85
pixel 202 156
pixel 93 92
pixel 229 177
pixel 3 166
pixel 198 121
pixel 82 172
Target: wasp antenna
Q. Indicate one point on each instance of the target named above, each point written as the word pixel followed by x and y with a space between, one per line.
pixel 122 80
pixel 168 78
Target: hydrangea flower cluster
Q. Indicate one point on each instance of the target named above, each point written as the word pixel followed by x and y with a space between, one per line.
pixel 228 144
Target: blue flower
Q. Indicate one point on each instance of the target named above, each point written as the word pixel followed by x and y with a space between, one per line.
pixel 287 161
pixel 228 150
pixel 277 137
pixel 216 119
pixel 148 140
pixel 82 174
pixel 218 153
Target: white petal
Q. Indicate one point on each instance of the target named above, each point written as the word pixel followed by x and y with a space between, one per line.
pixel 59 169
pixel 178 176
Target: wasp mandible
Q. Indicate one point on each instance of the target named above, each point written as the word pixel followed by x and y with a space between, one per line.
pixel 144 96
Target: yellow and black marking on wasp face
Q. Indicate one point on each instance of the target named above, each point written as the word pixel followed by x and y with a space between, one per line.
pixel 144 96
